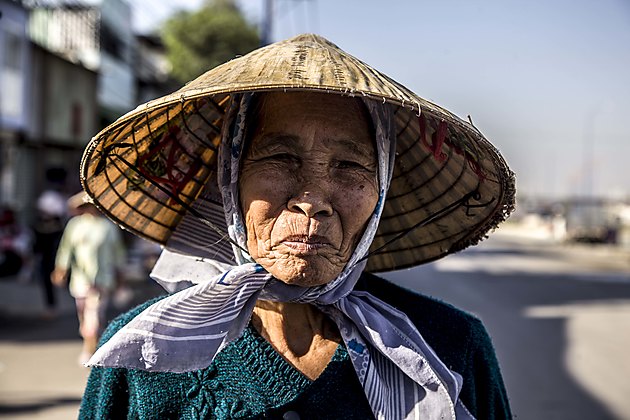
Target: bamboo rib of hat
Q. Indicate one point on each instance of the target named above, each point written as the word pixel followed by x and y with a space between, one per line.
pixel 450 185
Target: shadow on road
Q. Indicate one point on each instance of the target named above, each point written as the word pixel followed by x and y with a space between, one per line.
pixel 40 404
pixel 29 329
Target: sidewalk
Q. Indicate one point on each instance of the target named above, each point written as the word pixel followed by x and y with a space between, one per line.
pixel 25 299
pixel 39 374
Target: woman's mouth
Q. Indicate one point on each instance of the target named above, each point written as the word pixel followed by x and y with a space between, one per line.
pixel 303 244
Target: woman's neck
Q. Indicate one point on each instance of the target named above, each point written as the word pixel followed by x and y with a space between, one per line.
pixel 301 333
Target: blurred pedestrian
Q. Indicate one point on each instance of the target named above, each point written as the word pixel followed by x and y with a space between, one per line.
pixel 16 243
pixel 47 229
pixel 91 253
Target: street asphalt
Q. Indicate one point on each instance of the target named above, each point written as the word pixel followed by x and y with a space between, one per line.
pixel 559 317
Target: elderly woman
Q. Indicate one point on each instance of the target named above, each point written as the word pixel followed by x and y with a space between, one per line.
pixel 276 183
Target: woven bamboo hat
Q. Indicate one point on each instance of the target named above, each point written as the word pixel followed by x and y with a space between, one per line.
pixel 450 185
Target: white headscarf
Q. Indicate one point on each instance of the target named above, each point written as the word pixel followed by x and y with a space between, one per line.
pixel 402 376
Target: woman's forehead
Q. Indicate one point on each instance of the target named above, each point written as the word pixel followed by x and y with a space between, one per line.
pixel 336 121
pixel 324 103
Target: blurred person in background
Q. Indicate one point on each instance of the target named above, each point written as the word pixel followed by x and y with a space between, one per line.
pixel 16 242
pixel 47 229
pixel 91 254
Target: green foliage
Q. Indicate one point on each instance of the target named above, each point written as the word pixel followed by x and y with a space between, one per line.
pixel 198 41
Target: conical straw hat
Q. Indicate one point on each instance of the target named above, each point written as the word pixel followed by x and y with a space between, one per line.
pixel 450 185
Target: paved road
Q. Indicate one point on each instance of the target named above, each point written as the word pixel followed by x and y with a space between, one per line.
pixel 559 318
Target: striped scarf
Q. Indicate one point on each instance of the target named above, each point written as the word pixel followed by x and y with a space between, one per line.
pixel 402 376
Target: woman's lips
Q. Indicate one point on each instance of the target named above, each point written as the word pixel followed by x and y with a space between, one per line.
pixel 306 245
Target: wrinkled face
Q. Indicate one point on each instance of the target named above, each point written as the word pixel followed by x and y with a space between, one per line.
pixel 308 185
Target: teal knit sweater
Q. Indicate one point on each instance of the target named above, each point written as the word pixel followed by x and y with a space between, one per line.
pixel 249 379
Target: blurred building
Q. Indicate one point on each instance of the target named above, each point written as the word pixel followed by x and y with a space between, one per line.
pixel 99 36
pixel 48 113
pixel 15 92
pixel 64 118
pixel 67 69
pixel 152 69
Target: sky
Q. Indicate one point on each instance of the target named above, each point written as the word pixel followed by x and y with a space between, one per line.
pixel 547 81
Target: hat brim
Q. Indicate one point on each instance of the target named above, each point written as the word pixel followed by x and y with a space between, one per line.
pixel 450 185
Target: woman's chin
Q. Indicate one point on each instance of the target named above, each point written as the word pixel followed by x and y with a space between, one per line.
pixel 304 270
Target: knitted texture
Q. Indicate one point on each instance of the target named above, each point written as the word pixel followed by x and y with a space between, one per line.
pixel 249 379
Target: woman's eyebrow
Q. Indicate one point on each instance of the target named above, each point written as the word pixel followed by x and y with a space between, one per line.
pixel 354 147
pixel 273 141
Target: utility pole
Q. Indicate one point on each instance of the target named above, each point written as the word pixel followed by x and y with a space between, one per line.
pixel 267 23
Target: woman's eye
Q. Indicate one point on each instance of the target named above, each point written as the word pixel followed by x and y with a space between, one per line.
pixel 284 157
pixel 349 164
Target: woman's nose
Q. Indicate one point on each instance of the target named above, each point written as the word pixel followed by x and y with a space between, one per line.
pixel 311 203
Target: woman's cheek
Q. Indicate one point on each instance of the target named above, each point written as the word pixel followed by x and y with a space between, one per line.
pixel 360 197
pixel 264 186
pixel 258 228
pixel 272 182
pixel 356 204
